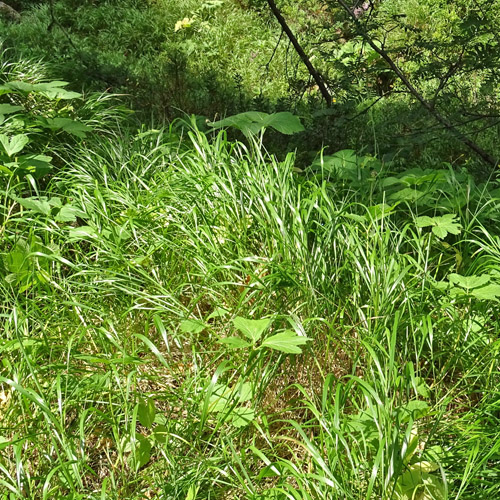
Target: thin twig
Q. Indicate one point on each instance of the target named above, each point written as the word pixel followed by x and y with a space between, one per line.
pixel 488 158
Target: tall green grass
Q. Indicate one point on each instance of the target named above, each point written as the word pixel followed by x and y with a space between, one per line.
pixel 114 382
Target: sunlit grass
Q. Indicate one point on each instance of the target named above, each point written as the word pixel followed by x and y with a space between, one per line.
pixel 107 392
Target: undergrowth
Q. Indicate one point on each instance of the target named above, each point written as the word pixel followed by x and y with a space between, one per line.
pixel 188 317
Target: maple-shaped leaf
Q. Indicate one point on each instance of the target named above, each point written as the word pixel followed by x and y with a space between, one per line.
pixel 441 225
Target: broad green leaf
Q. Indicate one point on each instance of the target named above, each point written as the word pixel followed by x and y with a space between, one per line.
pixel 121 233
pixel 219 312
pixel 68 213
pixel 441 225
pixel 142 451
pixel 21 86
pixel 235 342
pixel 287 341
pixel 146 413
pixel 39 205
pixel 82 233
pixel 252 122
pixel 192 326
pixel 244 392
pixel 220 398
pixel 241 417
pixel 377 212
pixel 13 145
pixel 251 328
pixel 241 121
pixel 4 442
pixel 6 109
pixel 36 165
pixel 57 93
pixel 488 292
pixel 284 122
pixel 364 424
pixel 424 467
pixel 55 201
pixel 17 260
pixel 409 195
pixel 68 125
pixel 417 484
pixel 415 409
pixel 51 85
pixel 469 282
pixel 422 387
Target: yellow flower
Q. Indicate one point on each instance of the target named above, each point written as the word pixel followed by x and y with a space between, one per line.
pixel 184 23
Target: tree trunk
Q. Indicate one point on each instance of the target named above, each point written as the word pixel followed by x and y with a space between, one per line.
pixel 9 12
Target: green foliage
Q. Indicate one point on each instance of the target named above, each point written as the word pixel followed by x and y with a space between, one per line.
pixel 441 226
pixel 253 122
pixel 41 107
pixel 189 317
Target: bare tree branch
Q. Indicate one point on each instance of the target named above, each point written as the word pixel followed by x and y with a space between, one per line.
pixel 300 51
pixel 488 158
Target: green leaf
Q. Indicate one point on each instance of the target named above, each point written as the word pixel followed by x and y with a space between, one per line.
pixel 488 292
pixel 441 226
pixel 55 201
pixel 15 144
pixel 142 451
pixel 415 409
pixel 252 122
pixel 146 413
pixel 68 213
pixel 60 94
pixel 20 86
pixel 17 260
pixel 235 342
pixel 287 341
pixel 219 398
pixel 219 312
pixel 418 484
pixel 469 282
pixel 6 109
pixel 192 492
pixel 422 387
pixel 244 392
pixel 39 205
pixel 4 442
pixel 82 233
pixel 241 417
pixel 377 212
pixel 251 328
pixel 192 326
pixel 284 122
pixel 160 434
pixel 51 90
pixel 37 165
pixel 410 195
pixel 68 125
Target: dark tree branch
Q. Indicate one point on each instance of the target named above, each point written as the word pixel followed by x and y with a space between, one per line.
pixel 300 51
pixel 488 158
